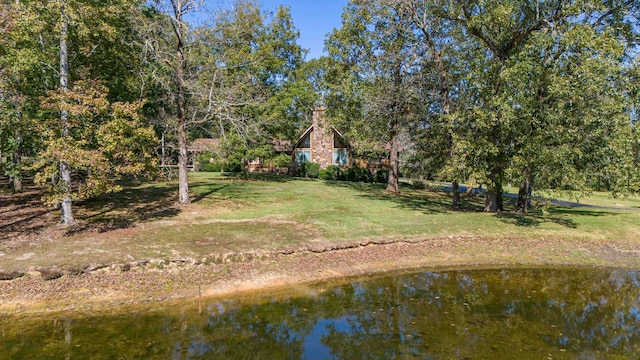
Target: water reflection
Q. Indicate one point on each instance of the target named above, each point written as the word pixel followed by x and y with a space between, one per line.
pixel 484 314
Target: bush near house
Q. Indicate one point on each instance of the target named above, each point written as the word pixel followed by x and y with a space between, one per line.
pixel 281 160
pixel 333 172
pixel 381 176
pixel 354 174
pixel 213 167
pixel 358 174
pixel 309 170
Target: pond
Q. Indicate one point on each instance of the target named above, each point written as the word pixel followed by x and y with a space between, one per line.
pixel 456 314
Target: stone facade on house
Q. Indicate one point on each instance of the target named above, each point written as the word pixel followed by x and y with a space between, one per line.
pixel 322 140
pixel 322 144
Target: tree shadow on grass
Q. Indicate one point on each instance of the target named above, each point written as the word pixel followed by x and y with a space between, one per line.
pixel 23 213
pixel 259 177
pixel 440 202
pixel 408 198
pixel 123 209
pixel 559 215
pixel 208 189
pixel 531 220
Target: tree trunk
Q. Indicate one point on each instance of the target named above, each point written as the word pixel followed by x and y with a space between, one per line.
pixel 17 179
pixel 65 171
pixel 183 163
pixel 183 160
pixel 491 201
pixel 524 194
pixel 392 180
pixel 455 202
pixel 493 198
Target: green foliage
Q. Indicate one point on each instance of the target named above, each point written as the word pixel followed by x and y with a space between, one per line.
pixel 203 159
pixel 281 160
pixel 333 172
pixel 309 170
pixel 232 166
pixel 101 141
pixel 381 176
pixel 357 174
pixel 418 184
pixel 213 167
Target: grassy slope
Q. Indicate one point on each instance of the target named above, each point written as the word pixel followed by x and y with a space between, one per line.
pixel 233 215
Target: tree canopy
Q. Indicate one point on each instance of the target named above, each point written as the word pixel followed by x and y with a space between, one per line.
pixel 536 94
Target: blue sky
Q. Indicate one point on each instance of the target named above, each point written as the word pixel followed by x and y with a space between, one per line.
pixel 313 18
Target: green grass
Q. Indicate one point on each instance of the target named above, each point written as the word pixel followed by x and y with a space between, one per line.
pixel 596 198
pixel 229 214
pixel 343 211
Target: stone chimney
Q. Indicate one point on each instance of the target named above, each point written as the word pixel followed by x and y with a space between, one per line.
pixel 322 139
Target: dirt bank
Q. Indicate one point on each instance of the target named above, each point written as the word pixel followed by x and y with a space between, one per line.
pixel 112 286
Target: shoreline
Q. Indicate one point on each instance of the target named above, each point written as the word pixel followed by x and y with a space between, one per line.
pixel 113 288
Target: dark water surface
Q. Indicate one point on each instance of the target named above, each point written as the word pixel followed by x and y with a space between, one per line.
pixel 463 314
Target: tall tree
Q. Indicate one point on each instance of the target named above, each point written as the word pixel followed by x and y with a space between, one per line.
pixel 65 170
pixel 45 38
pixel 23 79
pixel 376 49
pixel 514 53
pixel 176 11
pixel 435 134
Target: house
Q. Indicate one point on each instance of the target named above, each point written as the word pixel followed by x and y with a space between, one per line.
pixel 322 144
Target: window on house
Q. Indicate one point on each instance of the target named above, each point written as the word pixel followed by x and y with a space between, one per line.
pixel 303 157
pixel 338 142
pixel 340 158
pixel 305 142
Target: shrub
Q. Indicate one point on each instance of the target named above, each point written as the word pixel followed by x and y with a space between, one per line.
pixel 357 174
pixel 233 166
pixel 333 172
pixel 324 175
pixel 281 160
pixel 312 170
pixel 308 170
pixel 203 159
pixel 213 167
pixel 382 176
pixel 419 184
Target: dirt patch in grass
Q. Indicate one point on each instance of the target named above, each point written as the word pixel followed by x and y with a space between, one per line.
pixel 113 286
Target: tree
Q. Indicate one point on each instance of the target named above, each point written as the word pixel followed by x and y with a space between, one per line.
pixel 435 134
pixel 239 81
pixel 64 119
pixel 508 118
pixel 22 81
pixel 378 58
pixel 250 83
pixel 102 141
pixel 176 11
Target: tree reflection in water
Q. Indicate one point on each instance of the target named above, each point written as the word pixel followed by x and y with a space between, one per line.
pixel 480 314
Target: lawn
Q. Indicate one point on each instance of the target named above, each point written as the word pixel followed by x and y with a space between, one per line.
pixel 233 215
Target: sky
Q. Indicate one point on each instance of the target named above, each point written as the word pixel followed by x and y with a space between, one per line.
pixel 313 18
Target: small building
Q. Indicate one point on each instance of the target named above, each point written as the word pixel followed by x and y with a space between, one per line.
pixel 322 144
pixel 199 146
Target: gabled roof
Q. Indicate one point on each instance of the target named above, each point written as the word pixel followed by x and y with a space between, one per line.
pixel 310 128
